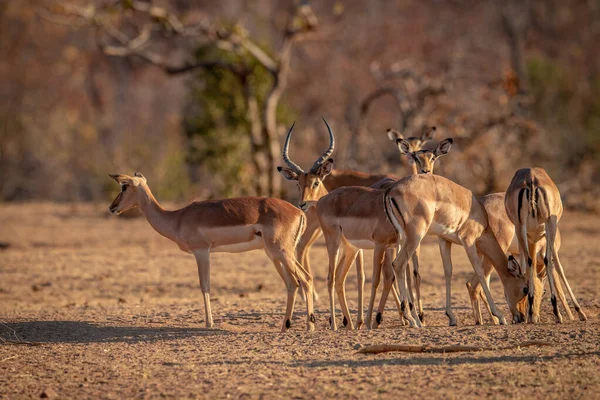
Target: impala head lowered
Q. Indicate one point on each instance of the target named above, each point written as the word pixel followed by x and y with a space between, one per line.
pixel 310 183
pixel 128 197
pixel 424 160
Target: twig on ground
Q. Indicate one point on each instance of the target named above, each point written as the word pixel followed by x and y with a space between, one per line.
pixel 385 348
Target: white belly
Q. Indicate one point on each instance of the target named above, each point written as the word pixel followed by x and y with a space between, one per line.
pixel 254 244
pixel 362 244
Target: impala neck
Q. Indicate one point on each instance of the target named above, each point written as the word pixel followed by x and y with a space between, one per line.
pixel 413 168
pixel 160 219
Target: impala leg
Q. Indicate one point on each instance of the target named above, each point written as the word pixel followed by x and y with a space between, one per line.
pixel 390 255
pixel 340 283
pixel 333 242
pixel 360 277
pixel 551 225
pixel 291 284
pixel 311 234
pixel 445 251
pixel 301 275
pixel 389 285
pixel 417 275
pixel 377 262
pixel 413 239
pixel 203 261
pixel 475 260
pixel 474 295
pixel 536 286
pixel 561 295
pixel 561 273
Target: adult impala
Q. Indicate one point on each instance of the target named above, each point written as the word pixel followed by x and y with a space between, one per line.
pixel 430 204
pixel 231 226
pixel 311 183
pixel 352 218
pixel 534 206
pixel 504 230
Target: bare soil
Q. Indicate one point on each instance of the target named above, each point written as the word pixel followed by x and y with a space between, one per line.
pixel 94 306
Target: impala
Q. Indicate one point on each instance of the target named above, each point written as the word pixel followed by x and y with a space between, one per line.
pixel 425 204
pixel 534 206
pixel 312 185
pixel 504 230
pixel 335 179
pixel 353 218
pixel 232 226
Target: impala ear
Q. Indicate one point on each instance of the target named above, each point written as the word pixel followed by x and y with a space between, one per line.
pixel 288 173
pixel 394 135
pixel 325 168
pixel 404 146
pixel 139 175
pixel 513 267
pixel 443 147
pixel 115 177
pixel 428 134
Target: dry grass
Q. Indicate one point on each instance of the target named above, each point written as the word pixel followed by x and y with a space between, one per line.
pixel 117 313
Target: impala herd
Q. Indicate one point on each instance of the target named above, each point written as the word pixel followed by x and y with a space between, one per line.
pixel 356 211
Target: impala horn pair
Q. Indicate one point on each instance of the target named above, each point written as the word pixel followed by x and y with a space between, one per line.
pixel 295 167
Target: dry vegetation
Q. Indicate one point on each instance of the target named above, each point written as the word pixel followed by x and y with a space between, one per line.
pixel 112 310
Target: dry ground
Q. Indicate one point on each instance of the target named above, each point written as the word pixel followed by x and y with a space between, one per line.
pixel 115 311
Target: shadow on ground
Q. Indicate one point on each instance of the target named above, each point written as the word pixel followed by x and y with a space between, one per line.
pixel 86 332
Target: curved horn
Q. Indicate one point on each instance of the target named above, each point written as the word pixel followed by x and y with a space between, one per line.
pixel 329 151
pixel 286 147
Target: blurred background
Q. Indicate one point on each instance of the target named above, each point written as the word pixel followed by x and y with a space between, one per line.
pixel 198 96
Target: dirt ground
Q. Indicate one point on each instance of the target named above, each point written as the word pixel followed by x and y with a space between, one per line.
pixel 112 310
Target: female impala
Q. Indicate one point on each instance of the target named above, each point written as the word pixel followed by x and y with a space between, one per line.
pixel 429 204
pixel 534 206
pixel 353 218
pixel 232 226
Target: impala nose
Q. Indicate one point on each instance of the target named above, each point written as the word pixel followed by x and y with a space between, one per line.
pixel 425 171
pixel 303 206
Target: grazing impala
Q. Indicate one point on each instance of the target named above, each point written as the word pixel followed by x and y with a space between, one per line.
pixel 504 230
pixel 534 206
pixel 430 204
pixel 232 226
pixel 353 218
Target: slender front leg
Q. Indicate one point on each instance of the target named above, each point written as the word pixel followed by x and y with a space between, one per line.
pixel 340 283
pixel 360 277
pixel 203 261
pixel 475 260
pixel 445 251
pixel 417 275
pixel 377 262
pixel 333 242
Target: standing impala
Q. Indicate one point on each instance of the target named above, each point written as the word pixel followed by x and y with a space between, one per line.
pixel 430 204
pixel 231 226
pixel 353 218
pixel 311 181
pixel 534 206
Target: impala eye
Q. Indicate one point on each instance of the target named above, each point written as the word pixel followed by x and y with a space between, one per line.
pixel 316 184
pixel 123 188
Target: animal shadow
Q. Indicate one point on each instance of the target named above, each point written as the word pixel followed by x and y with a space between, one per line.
pixel 37 332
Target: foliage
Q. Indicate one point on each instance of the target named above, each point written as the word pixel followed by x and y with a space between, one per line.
pixel 216 120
